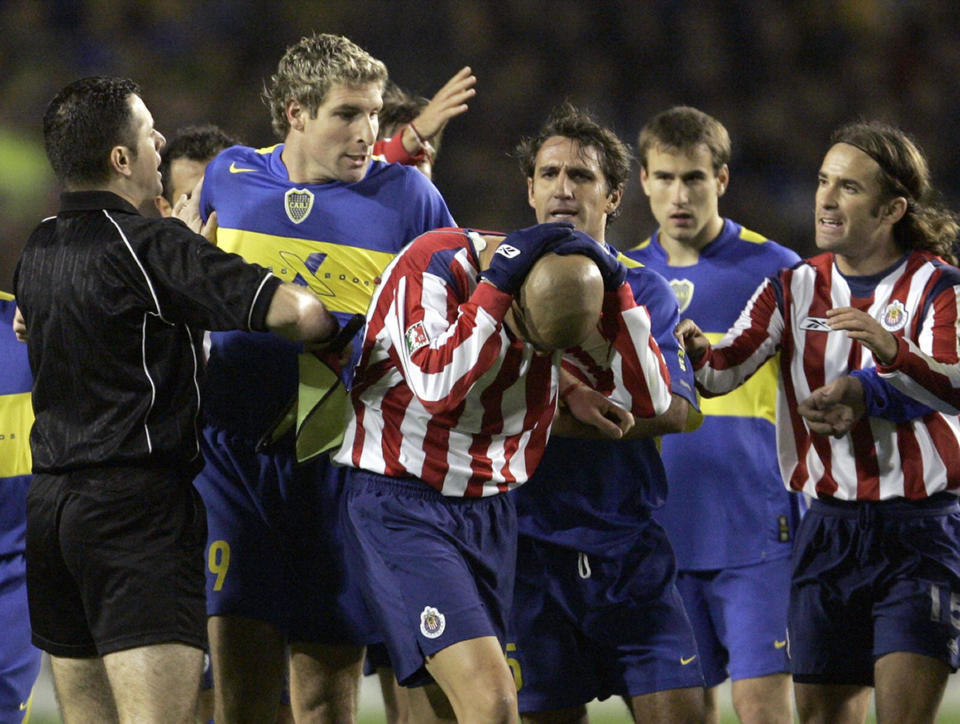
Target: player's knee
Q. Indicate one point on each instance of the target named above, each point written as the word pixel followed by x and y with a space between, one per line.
pixel 500 705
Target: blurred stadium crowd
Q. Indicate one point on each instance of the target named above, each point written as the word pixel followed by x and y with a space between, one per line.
pixel 780 76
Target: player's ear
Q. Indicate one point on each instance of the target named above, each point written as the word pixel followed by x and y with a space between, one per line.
pixel 613 200
pixel 644 179
pixel 723 179
pixel 296 114
pixel 895 209
pixel 530 199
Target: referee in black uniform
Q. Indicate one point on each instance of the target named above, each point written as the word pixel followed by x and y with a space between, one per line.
pixel 114 306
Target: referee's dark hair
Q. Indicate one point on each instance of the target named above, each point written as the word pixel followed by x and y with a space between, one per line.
pixel 83 122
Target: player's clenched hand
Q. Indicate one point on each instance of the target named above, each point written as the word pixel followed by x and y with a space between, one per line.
pixel 865 329
pixel 834 409
pixel 517 253
pixel 694 341
pixel 612 271
pixel 593 408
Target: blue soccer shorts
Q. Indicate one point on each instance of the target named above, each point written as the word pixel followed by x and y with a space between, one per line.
pixel 739 618
pixel 436 570
pixel 584 627
pixel 19 660
pixel 870 579
pixel 275 546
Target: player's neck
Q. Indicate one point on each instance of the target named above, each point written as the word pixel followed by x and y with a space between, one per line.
pixel 686 252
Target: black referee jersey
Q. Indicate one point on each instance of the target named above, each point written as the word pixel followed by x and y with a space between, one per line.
pixel 115 304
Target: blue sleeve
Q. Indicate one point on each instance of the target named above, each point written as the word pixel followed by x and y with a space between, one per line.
pixel 653 292
pixel 885 401
pixel 207 191
pixel 432 211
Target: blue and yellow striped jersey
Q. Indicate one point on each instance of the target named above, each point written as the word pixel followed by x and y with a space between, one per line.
pixel 16 419
pixel 727 504
pixel 335 238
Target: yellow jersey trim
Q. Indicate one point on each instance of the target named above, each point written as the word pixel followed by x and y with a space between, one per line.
pixel 16 419
pixel 757 397
pixel 344 280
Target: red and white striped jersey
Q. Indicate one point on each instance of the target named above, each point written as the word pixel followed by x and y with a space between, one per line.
pixel 444 392
pixel 917 301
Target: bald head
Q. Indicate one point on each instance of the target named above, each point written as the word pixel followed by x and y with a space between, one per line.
pixel 561 300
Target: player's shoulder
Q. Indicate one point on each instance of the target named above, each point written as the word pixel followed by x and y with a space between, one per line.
pixel 756 244
pixel 382 173
pixel 238 160
pixel 647 283
pixel 5 297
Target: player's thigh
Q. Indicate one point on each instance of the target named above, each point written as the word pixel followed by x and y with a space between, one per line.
pixel 676 706
pixel 832 703
pixel 325 677
pixel 909 687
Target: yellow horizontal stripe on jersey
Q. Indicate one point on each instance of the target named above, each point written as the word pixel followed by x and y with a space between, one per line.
pixel 756 398
pixel 5 296
pixel 16 419
pixel 344 280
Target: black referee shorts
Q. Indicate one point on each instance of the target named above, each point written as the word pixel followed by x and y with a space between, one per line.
pixel 115 561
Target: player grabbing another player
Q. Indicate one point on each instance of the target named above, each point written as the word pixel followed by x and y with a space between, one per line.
pixel 876 564
pixel 113 307
pixel 319 210
pixel 728 515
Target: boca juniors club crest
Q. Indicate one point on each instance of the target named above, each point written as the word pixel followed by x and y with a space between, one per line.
pixel 683 289
pixel 297 203
pixel 894 316
pixel 432 622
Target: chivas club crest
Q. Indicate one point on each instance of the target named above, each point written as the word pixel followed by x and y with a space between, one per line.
pixel 432 622
pixel 297 203
pixel 683 289
pixel 894 316
pixel 416 337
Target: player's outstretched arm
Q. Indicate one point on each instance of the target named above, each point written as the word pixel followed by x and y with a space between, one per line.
pixel 296 314
pixel 449 102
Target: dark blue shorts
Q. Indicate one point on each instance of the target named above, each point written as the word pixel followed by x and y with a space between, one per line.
pixel 584 627
pixel 739 617
pixel 19 660
pixel 436 570
pixel 275 549
pixel 871 579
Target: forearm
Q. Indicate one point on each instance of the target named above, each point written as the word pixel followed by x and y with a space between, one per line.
pixel 296 314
